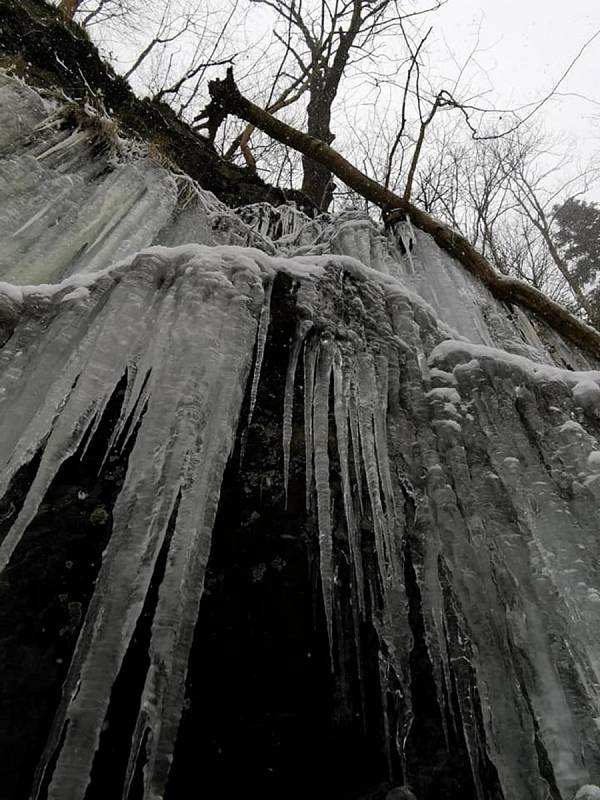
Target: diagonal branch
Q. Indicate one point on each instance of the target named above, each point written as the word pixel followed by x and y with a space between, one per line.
pixel 286 98
pixel 227 99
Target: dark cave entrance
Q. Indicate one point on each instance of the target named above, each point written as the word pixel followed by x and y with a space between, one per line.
pixel 263 714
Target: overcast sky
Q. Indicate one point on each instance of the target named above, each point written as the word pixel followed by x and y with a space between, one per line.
pixel 524 48
pixel 526 45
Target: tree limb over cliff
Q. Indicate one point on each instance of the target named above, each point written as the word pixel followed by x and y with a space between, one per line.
pixel 227 99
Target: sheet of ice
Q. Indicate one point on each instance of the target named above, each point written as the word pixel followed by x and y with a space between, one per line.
pixel 190 323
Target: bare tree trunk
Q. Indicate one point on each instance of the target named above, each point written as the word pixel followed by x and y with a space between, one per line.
pixel 317 182
pixel 69 7
pixel 227 99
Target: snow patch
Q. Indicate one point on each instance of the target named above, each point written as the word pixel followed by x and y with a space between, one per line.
pixel 588 792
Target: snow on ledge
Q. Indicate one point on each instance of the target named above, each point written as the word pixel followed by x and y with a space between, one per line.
pixel 585 386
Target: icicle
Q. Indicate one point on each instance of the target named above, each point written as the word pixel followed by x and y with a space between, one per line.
pixel 367 397
pixel 309 385
pixel 382 379
pixel 73 139
pixel 138 389
pixel 341 386
pixel 354 436
pixel 131 420
pixel 58 449
pixel 382 457
pixel 339 668
pixel 134 404
pixel 38 215
pixel 321 467
pixel 174 623
pixel 94 691
pixel 203 355
pixel 288 399
pixel 94 425
pixel 95 368
pixel 359 662
pixel 261 340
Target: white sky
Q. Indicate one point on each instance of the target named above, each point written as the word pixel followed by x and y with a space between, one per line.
pixel 526 45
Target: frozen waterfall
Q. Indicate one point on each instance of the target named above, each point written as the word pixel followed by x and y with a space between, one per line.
pixel 448 447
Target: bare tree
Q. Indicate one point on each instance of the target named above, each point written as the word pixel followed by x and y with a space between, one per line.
pixel 287 97
pixel 227 99
pixel 164 35
pixel 95 12
pixel 167 48
pixel 502 194
pixel 328 38
pixel 533 179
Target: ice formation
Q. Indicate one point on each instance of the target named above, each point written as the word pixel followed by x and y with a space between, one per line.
pixel 458 439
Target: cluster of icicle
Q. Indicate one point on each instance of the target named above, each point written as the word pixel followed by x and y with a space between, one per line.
pixel 181 329
pixel 183 325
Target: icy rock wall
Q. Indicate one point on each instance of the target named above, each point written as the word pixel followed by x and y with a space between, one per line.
pixel 462 448
pixel 485 463
pixel 182 330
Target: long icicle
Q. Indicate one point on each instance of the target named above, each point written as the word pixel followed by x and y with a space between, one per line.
pixel 261 340
pixel 87 687
pixel 355 439
pixel 341 389
pixel 382 457
pixel 367 389
pixel 309 388
pixel 321 466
